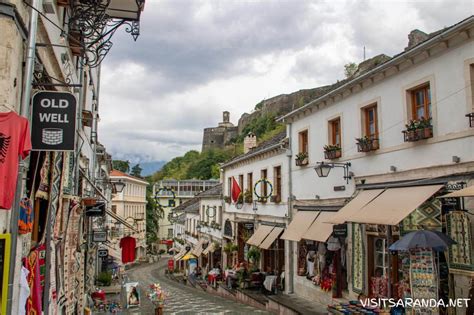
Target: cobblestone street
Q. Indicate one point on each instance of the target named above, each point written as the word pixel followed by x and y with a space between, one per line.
pixel 182 299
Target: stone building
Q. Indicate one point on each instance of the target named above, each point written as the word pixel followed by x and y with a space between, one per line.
pixel 217 137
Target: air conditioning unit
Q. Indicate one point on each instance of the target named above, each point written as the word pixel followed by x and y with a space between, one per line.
pixel 48 6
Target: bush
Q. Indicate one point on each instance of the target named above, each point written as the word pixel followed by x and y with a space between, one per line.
pixel 161 251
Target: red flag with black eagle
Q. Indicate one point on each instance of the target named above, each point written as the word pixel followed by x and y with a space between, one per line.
pixel 235 191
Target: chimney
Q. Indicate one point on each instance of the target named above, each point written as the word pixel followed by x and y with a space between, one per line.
pixel 250 142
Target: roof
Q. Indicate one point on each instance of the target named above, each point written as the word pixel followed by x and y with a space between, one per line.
pixel 118 173
pixel 191 205
pixel 261 148
pixel 214 191
pixel 381 63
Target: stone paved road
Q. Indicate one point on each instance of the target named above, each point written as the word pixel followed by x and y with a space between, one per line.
pixel 182 299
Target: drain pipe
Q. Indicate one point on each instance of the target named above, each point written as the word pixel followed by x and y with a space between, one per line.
pixel 290 244
pixel 23 168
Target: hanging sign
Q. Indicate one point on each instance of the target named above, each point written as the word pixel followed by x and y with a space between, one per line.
pixel 339 230
pixel 103 252
pixel 53 121
pixel 99 236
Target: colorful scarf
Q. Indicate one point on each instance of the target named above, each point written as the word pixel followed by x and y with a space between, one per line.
pixel 33 304
pixel 43 190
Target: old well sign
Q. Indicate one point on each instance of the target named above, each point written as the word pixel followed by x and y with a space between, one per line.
pixel 53 121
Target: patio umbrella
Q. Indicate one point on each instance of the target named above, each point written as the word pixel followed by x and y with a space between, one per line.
pixel 188 256
pixel 423 239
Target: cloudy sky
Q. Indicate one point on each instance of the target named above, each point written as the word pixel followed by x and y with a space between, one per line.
pixel 195 59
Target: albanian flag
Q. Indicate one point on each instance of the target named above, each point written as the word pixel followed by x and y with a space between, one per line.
pixel 235 191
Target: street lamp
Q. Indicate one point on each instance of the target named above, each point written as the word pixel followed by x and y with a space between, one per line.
pixel 323 169
pixel 118 185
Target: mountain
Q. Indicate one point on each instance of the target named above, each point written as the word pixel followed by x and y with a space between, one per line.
pixel 149 168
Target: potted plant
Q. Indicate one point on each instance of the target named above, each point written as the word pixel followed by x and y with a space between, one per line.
pixel 157 296
pixel 104 279
pixel 332 151
pixel 301 159
pixel 253 255
pixel 426 127
pixel 227 199
pixel 366 144
pixel 240 198
pixel 247 196
pixel 411 130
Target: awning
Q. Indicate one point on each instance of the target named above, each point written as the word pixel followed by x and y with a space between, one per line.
pixel 188 256
pixel 271 237
pixel 320 230
pixel 300 223
pixel 362 199
pixel 197 251
pixel 209 249
pixel 393 205
pixel 119 219
pixel 181 253
pixel 259 235
pixel 465 192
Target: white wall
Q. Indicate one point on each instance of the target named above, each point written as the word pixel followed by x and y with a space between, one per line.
pixel 452 135
pixel 269 208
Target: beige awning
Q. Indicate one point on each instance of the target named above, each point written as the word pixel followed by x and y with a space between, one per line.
pixel 271 238
pixel 362 199
pixel 181 253
pixel 465 192
pixel 259 235
pixel 209 249
pixel 393 205
pixel 197 251
pixel 320 230
pixel 299 225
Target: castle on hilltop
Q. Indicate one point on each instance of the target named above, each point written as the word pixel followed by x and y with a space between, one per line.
pixel 217 137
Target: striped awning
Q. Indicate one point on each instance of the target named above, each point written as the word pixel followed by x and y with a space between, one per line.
pixel 181 253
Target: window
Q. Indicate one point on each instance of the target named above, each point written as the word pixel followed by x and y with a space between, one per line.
pixel 335 131
pixel 250 183
pixel 303 141
pixel 170 233
pixel 370 121
pixel 421 102
pixel 229 186
pixel 114 209
pixel 219 215
pixel 241 181
pixel 203 213
pixel 277 180
pixel 263 186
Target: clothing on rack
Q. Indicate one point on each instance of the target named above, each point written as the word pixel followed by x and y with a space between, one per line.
pixel 15 141
pixel 128 244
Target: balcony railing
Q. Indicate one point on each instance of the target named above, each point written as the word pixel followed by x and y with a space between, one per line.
pixel 367 144
pixel 413 135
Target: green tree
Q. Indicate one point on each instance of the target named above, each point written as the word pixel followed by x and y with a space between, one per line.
pixel 136 171
pixel 119 165
pixel 350 69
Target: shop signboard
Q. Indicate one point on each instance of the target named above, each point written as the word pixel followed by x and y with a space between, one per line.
pixel 99 236
pixel 102 252
pixel 339 230
pixel 131 294
pixel 4 270
pixel 248 225
pixel 54 121
pixel 170 264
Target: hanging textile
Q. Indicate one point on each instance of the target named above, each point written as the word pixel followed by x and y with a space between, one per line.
pixel 25 222
pixel 236 190
pixel 71 242
pixel 14 141
pixel 459 229
pixel 24 291
pixel 43 189
pixel 426 216
pixel 32 263
pixel 67 184
pixel 128 244
pixel 358 263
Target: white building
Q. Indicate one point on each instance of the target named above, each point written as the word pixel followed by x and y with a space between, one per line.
pixel 129 205
pixel 262 173
pixel 400 170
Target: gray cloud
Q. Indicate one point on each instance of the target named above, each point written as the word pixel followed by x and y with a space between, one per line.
pixel 195 59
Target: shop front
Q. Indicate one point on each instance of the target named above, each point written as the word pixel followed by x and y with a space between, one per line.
pixel 321 264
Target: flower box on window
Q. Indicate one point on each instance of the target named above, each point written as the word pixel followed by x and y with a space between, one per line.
pixel 332 152
pixel 418 130
pixel 247 196
pixel 275 198
pixel 301 159
pixel 227 199
pixel 367 144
